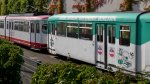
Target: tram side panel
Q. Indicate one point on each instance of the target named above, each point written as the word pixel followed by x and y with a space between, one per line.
pixel 126 50
pixel 2 29
pixel 7 31
pixel 111 44
pixel 44 34
pixel 144 46
pixel 72 43
pixel 20 33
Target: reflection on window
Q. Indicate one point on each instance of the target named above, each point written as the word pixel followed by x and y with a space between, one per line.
pixel 44 29
pixel 61 29
pixel 124 36
pixel 85 31
pixel 72 30
pixel 100 33
pixel 111 29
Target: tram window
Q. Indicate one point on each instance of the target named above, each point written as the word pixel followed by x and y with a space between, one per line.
pixel 53 29
pixel 7 25
pixel 37 28
pixel 124 35
pixel 26 27
pixel 61 29
pixel 21 26
pixel 44 29
pixel 100 33
pixel 111 34
pixel 12 26
pixel 16 26
pixel 32 28
pixel 85 31
pixel 72 30
pixel 1 24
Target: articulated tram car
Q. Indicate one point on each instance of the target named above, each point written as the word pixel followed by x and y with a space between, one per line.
pixel 107 40
pixel 30 31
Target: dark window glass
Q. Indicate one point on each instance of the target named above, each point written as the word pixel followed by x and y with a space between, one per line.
pixel 32 28
pixel 16 25
pixel 72 30
pixel 53 29
pixel 85 31
pixel 100 33
pixel 1 24
pixel 61 29
pixel 44 29
pixel 12 25
pixel 37 28
pixel 111 29
pixel 7 25
pixel 124 36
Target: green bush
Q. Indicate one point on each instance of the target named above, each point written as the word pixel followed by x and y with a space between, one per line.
pixel 143 78
pixel 5 42
pixel 10 63
pixel 69 73
pixel 66 73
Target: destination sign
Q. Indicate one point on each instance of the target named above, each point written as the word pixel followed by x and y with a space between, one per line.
pixel 88 18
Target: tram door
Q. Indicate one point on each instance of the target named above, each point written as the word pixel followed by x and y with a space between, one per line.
pixel 105 51
pixel 101 45
pixel 7 31
pixel 10 30
pixel 33 35
pixel 51 38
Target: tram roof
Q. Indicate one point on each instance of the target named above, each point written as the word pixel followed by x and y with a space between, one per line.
pixel 28 17
pixel 145 17
pixel 115 16
pixel 2 17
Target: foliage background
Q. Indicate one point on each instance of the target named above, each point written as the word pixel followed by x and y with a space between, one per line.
pixel 10 63
pixel 22 6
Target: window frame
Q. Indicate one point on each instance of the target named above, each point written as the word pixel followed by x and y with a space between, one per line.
pixel 111 36
pixel 120 35
pixel 43 30
pixel 71 34
pixel 100 34
pixel 62 33
pixel 82 36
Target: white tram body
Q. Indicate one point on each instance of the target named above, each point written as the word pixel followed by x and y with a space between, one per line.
pixel 2 26
pixel 30 31
pixel 107 40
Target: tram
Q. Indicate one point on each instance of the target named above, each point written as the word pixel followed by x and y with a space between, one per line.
pixel 107 40
pixel 30 31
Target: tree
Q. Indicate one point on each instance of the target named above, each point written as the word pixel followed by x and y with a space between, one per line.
pixel 30 6
pixel 41 5
pixel 10 6
pixel 4 9
pixel 10 63
pixel 23 6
